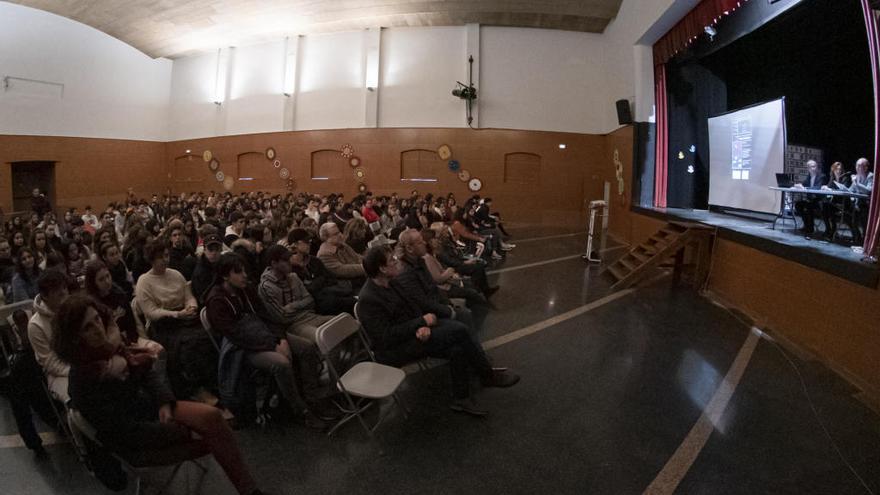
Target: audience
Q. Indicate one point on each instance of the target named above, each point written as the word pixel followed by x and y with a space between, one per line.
pixel 339 258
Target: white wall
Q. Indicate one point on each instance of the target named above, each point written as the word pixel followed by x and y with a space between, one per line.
pixel 419 68
pixel 110 89
pixel 542 79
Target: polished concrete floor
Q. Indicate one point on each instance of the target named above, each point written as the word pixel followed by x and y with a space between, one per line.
pixel 607 397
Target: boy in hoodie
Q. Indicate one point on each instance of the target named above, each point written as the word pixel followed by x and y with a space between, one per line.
pixel 287 300
pixel 53 291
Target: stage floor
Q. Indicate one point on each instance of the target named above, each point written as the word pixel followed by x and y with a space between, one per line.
pixel 835 259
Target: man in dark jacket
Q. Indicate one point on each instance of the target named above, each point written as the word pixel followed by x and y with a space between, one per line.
pixel 235 314
pixel 417 283
pixel 400 332
pixel 332 296
pixel 206 267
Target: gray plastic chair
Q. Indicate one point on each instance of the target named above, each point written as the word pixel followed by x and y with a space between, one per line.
pixel 368 381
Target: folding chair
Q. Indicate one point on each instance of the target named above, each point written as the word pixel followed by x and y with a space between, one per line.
pixel 206 324
pixel 423 363
pixel 139 463
pixel 368 381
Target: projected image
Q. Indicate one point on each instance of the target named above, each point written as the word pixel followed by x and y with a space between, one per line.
pixel 746 151
pixel 741 154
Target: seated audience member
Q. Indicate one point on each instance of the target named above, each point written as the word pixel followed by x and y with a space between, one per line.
pixel 235 312
pixel 288 302
pixel 100 285
pixel 133 251
pixel 391 219
pixel 416 282
pixel 206 267
pixel 118 392
pixel 180 250
pixel 400 332
pixel 339 258
pixel 90 220
pixel 332 296
pixel 368 213
pixel 110 254
pixel 17 242
pixel 40 247
pixel 172 313
pixel 448 281
pixel 807 206
pixel 357 234
pixel 447 253
pixel 247 251
pixel 7 266
pixel 75 260
pixel 24 388
pixel 475 244
pixel 24 281
pixel 53 291
pixel 488 223
pixel 863 183
pixel 235 228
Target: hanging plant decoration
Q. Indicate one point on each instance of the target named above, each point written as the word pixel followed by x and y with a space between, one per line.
pixel 362 188
pixel 354 162
pixel 207 155
pixel 347 151
pixel 284 173
pixel 270 153
pixel 359 174
pixel 214 165
pixel 475 184
pixel 464 175
pixel 444 152
pixel 454 165
pixel 276 163
pixel 220 176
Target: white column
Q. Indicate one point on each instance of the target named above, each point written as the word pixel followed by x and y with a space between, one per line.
pixel 473 50
pixel 372 44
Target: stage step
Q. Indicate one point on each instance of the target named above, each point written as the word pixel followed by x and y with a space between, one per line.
pixel 669 242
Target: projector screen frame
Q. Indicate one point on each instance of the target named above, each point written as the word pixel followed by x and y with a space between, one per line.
pixel 733 209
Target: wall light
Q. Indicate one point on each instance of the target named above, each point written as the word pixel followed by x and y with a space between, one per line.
pixel 288 85
pixel 220 76
pixel 562 146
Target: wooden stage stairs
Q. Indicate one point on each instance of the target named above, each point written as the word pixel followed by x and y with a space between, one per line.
pixel 670 242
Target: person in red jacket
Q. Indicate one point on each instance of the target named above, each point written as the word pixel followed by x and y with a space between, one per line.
pixel 369 213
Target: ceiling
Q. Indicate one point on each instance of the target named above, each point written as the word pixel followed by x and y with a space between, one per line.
pixel 173 28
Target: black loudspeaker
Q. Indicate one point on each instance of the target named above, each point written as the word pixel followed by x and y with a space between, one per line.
pixel 624 114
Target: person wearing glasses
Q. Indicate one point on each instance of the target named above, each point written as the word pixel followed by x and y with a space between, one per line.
pixel 339 258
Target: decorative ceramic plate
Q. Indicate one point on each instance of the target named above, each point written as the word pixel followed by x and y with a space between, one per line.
pixel 220 176
pixel 354 161
pixel 362 188
pixel 359 174
pixel 214 165
pixel 207 155
pixel 284 173
pixel 454 165
pixel 276 163
pixel 270 153
pixel 464 175
pixel 445 152
pixel 347 151
pixel 228 183
pixel 475 184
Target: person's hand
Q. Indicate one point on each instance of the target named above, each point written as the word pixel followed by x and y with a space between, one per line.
pixel 283 348
pixel 187 312
pixel 423 334
pixel 165 414
pixel 448 272
pixel 430 319
pixel 826 188
pixel 470 261
pixel 797 186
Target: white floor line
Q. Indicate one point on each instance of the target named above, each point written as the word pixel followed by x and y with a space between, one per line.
pixel 531 265
pixel 10 441
pixel 545 238
pixel 681 461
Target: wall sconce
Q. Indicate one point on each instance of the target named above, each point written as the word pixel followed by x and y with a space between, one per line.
pixel 220 76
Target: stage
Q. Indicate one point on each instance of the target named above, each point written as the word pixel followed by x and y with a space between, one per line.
pixel 835 259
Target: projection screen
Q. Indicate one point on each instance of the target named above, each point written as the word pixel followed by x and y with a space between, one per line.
pixel 746 150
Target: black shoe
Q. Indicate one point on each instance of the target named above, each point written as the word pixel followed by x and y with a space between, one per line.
pixel 468 406
pixel 40 453
pixel 501 379
pixel 324 411
pixel 312 421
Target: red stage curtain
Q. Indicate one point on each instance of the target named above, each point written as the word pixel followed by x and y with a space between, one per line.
pixel 706 13
pixel 871 236
pixel 661 155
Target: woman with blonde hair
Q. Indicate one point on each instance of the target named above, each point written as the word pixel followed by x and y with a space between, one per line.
pixel 357 234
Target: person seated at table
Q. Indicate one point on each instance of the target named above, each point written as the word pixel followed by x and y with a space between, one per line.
pixel 806 207
pixel 401 333
pixel 832 206
pixel 118 392
pixel 862 183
